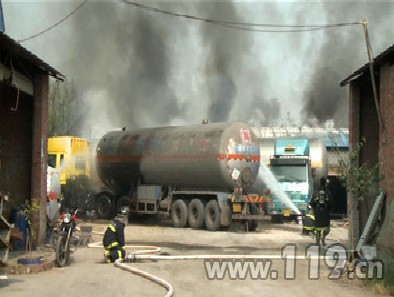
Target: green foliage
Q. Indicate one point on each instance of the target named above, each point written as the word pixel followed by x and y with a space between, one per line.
pixel 357 178
pixel 29 210
pixel 65 109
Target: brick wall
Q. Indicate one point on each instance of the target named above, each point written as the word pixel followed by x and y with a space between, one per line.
pixel 369 130
pixel 385 243
pixel 379 147
pixel 364 124
pixel 387 143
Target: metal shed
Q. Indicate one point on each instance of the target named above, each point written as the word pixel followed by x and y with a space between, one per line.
pixel 375 123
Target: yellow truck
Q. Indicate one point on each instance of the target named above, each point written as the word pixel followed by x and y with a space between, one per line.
pixel 71 157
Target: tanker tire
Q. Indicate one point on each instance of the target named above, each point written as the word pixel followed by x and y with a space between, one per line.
pixel 212 216
pixel 196 214
pixel 103 207
pixel 179 214
pixel 122 201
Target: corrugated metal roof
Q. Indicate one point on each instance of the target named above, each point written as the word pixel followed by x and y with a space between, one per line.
pixel 11 45
pixel 377 62
pixel 332 137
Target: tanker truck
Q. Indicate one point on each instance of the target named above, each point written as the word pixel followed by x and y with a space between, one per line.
pixel 197 175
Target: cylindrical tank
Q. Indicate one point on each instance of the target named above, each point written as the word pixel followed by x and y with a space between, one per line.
pixel 266 152
pixel 218 156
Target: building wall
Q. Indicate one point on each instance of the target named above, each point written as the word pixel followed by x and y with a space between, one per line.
pixel 385 243
pixel 379 147
pixel 369 124
pixel 15 146
pixel 363 124
pixel 24 130
pixel 369 130
pixel 23 150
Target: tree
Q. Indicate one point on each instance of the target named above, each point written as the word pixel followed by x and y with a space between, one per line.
pixel 65 109
pixel 358 178
pixel 361 182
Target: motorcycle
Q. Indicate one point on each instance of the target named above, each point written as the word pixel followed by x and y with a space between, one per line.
pixel 64 237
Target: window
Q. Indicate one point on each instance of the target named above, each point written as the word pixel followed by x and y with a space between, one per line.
pixel 52 160
pixel 289 173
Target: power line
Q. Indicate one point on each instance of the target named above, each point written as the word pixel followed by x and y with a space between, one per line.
pixel 245 26
pixel 56 24
pixel 271 30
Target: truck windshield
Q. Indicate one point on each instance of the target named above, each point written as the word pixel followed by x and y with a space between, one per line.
pixel 290 173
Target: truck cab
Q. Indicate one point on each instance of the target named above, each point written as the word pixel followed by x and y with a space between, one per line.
pixel 70 155
pixel 291 166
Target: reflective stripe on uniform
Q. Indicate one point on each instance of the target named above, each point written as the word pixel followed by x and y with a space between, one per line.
pixel 322 228
pixel 110 246
pixel 112 227
pixel 107 256
pixel 120 254
pixel 310 216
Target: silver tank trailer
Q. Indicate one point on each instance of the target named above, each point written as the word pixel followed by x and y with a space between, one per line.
pixel 218 156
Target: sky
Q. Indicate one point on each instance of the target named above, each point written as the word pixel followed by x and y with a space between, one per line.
pixel 136 68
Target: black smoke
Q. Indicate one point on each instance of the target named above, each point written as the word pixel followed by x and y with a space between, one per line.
pixel 342 53
pixel 127 53
pixel 137 68
pixel 133 55
pixel 225 49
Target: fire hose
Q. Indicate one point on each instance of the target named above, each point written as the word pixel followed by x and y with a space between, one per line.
pixel 147 253
pixel 140 250
pixel 119 263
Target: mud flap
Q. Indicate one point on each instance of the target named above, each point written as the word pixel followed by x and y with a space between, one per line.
pixel 225 216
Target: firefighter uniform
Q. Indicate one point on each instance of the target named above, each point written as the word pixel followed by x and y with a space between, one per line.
pixel 114 241
pixel 321 208
pixel 308 223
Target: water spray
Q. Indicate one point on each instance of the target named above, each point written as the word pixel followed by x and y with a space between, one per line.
pixel 272 183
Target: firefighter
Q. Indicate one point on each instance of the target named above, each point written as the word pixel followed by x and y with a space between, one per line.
pixel 114 239
pixel 308 223
pixel 321 209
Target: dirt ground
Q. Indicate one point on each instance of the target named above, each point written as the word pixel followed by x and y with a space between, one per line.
pixel 87 275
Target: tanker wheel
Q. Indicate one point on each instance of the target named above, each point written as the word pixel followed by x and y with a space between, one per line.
pixel 212 216
pixel 104 207
pixel 196 214
pixel 122 201
pixel 179 214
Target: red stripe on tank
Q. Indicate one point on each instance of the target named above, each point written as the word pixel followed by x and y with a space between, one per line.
pixel 239 157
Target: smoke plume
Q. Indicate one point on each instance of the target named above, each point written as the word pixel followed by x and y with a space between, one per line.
pixel 341 53
pixel 137 68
